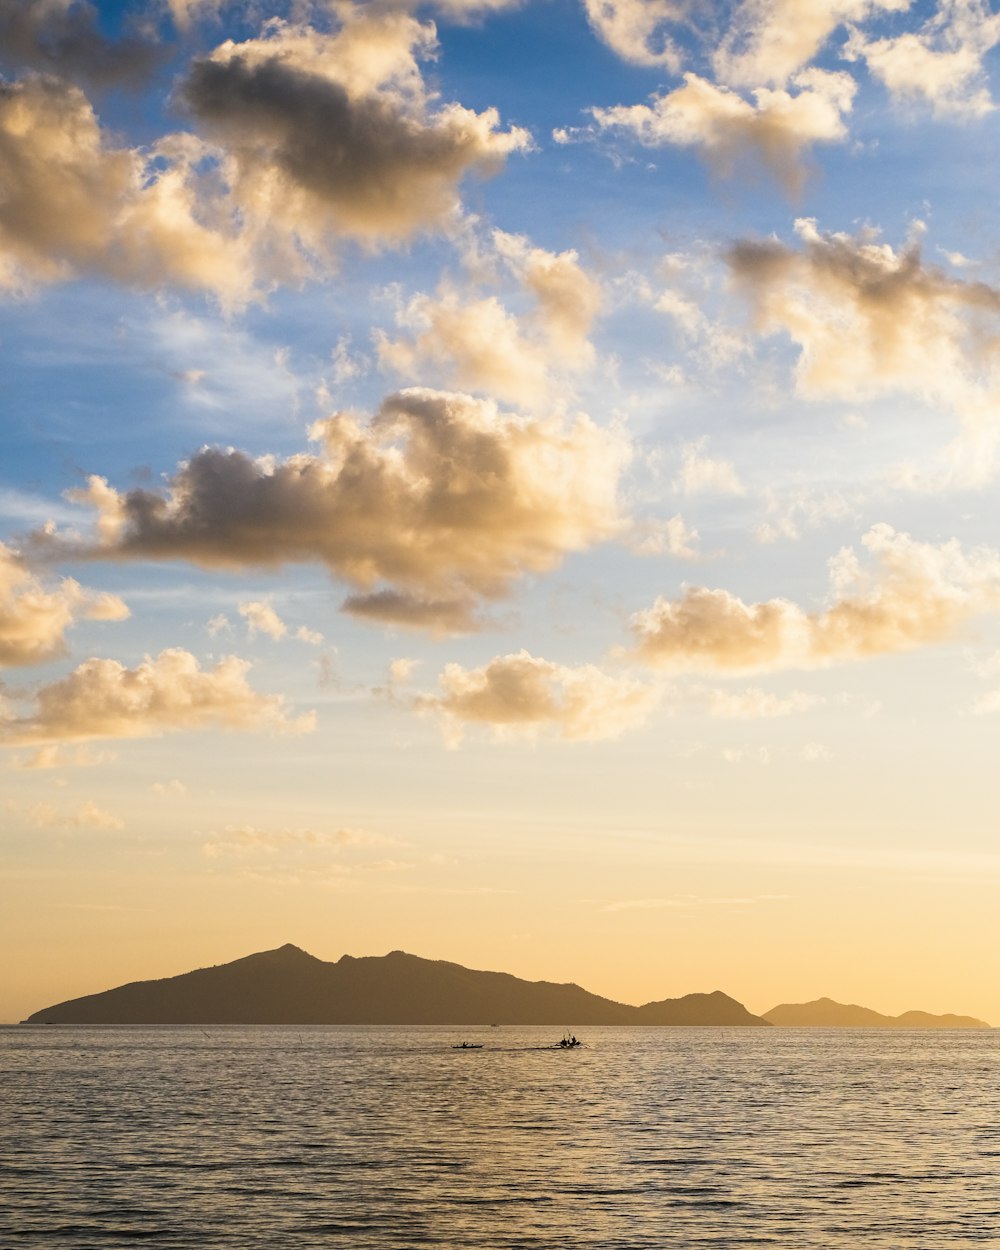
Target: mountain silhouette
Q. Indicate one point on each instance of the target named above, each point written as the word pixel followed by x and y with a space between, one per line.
pixel 289 986
pixel 825 1013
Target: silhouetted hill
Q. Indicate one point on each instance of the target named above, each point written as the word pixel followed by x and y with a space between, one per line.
pixel 825 1013
pixel 288 986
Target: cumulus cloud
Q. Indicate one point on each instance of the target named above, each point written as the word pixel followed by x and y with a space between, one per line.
pixel 912 594
pixel 639 30
pixel 769 40
pixel 73 203
pixel 522 695
pixel 568 298
pixel 775 131
pixel 305 138
pixel 440 499
pixel 63 37
pixel 336 134
pixel 35 615
pixel 942 63
pixel 479 345
pixel 869 320
pixel 166 693
pixel 475 344
pixel 261 618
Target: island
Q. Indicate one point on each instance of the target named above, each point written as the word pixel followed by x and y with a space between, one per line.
pixel 290 986
pixel 826 1014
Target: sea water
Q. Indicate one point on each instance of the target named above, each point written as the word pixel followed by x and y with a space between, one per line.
pixel 287 1137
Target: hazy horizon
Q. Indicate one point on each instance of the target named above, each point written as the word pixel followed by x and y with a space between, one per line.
pixel 514 482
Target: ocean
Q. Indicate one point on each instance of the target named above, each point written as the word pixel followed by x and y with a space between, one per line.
pixel 300 1137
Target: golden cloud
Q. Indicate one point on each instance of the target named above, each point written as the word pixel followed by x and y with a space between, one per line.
pixel 73 203
pixel 480 346
pixel 34 616
pixel 326 135
pixel 915 593
pixel 522 695
pixel 164 694
pixel 440 499
pixel 871 320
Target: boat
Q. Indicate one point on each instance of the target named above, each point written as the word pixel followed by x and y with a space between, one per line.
pixel 567 1042
pixel 468 1046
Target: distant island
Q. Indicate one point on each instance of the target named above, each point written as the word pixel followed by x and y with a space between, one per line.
pixel 826 1014
pixel 289 986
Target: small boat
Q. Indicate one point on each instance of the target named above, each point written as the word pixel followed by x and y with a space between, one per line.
pixel 468 1046
pixel 567 1042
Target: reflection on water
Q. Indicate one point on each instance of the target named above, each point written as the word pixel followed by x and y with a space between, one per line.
pixel 305 1137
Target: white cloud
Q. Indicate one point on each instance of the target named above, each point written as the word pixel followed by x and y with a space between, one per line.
pixel 942 63
pixel 700 474
pixel 639 30
pixel 776 131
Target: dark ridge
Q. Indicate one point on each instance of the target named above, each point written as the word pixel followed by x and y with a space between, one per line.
pixel 290 986
pixel 826 1014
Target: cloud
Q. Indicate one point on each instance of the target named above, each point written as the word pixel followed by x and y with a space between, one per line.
pixel 261 618
pixel 169 788
pixel 251 840
pixel 86 815
pixel 34 615
pixel 769 40
pixel 52 756
pixel 788 512
pixel 74 204
pixel 871 320
pixel 522 696
pixel 942 64
pixel 635 29
pixel 776 131
pixel 441 498
pixel 475 344
pixel 914 593
pixel 336 134
pixel 701 474
pixel 480 346
pixel 63 37
pixel 672 537
pixel 164 694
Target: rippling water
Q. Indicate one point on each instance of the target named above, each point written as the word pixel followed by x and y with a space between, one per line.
pixel 375 1137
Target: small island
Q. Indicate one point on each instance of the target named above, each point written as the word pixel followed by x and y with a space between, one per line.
pixel 824 1013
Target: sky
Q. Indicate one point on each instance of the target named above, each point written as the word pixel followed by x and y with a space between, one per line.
pixel 511 482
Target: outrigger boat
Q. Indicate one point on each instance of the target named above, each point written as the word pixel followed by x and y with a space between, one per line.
pixel 468 1046
pixel 567 1042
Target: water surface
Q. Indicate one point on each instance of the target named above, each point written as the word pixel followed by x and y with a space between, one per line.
pixel 287 1137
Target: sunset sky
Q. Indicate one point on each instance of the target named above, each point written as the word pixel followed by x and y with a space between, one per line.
pixel 512 482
